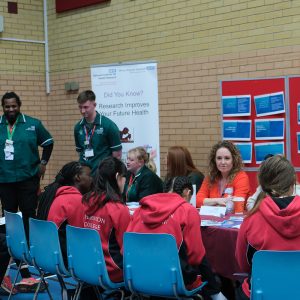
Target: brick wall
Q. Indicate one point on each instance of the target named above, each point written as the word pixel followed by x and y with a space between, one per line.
pixel 22 66
pixel 196 44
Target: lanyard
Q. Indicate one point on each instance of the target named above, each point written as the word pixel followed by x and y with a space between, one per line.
pixel 11 130
pixel 131 179
pixel 89 134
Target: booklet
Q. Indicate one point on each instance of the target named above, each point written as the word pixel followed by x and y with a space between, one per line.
pixel 232 222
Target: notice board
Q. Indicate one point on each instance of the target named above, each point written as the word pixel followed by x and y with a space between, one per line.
pixel 262 115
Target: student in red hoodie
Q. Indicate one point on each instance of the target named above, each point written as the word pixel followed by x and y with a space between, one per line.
pixel 274 222
pixel 105 212
pixel 61 200
pixel 171 213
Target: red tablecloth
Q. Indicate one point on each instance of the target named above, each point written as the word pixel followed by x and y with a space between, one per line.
pixel 220 245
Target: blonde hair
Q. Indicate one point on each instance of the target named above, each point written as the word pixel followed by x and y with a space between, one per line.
pixel 142 155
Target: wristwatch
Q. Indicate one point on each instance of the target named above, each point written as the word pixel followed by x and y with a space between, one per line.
pixel 44 162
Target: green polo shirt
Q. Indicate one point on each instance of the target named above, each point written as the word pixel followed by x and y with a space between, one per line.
pixel 104 140
pixel 29 133
pixel 143 184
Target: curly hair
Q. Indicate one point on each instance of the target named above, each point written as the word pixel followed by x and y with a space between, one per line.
pixel 65 177
pixel 237 164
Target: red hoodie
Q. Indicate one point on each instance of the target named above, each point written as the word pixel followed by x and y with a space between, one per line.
pixel 66 207
pixel 110 221
pixel 170 213
pixel 270 228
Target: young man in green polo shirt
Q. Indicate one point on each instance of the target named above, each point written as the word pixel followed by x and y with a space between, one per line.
pixel 20 165
pixel 96 136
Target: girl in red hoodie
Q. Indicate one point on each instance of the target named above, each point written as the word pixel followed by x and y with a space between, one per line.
pixel 274 222
pixel 61 200
pixel 171 213
pixel 105 212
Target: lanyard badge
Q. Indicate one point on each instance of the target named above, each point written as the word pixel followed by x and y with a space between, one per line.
pixel 9 149
pixel 88 152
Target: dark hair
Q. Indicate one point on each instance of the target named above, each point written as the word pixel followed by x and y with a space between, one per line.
pixel 11 95
pixel 180 162
pixel 237 163
pixel 178 185
pixel 105 187
pixel 84 96
pixel 65 177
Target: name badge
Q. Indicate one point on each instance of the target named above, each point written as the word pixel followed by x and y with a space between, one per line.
pixel 89 153
pixel 9 149
pixel 8 155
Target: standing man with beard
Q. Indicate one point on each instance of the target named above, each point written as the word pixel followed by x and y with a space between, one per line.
pixel 20 165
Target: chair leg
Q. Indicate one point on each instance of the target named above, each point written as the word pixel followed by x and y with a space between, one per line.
pixel 15 280
pixel 78 291
pixel 97 292
pixel 63 287
pixel 134 296
pixel 42 280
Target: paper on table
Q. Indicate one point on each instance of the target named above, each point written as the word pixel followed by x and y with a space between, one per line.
pixel 133 204
pixel 210 223
pixel 217 211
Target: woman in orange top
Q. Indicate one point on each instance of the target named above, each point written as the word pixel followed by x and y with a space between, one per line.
pixel 225 176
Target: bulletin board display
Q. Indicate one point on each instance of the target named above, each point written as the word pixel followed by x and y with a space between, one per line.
pixel 294 105
pixel 254 117
pixel 65 5
pixel 254 182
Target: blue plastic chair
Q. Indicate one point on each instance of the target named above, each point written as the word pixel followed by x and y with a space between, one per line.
pixel 275 275
pixel 16 242
pixel 46 252
pixel 86 260
pixel 152 266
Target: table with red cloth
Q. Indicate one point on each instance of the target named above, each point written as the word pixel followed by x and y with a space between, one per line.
pixel 220 244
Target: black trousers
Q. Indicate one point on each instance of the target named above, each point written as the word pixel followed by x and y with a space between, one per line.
pixel 21 196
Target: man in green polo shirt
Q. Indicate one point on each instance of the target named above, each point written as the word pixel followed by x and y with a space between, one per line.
pixel 96 136
pixel 20 165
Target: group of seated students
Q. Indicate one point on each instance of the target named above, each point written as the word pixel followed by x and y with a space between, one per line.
pixel 272 224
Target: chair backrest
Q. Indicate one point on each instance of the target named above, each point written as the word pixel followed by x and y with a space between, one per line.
pixel 45 247
pixel 16 238
pixel 275 275
pixel 85 257
pixel 151 264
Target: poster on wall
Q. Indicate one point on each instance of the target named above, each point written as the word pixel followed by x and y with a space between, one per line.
pixel 269 129
pixel 269 104
pixel 261 150
pixel 298 142
pixel 128 95
pixel 236 106
pixel 237 130
pixel 245 151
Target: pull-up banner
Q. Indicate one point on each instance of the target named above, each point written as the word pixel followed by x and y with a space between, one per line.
pixel 128 95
